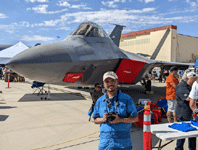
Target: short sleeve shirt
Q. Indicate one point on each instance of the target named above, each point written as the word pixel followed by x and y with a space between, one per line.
pixel 183 110
pixel 194 91
pixel 115 136
pixel 170 90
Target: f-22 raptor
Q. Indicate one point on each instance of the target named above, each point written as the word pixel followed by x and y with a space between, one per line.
pixel 83 57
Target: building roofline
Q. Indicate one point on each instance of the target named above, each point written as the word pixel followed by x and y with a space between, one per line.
pixel 148 31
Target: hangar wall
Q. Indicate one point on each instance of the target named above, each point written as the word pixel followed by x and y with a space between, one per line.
pixel 174 48
pixel 187 48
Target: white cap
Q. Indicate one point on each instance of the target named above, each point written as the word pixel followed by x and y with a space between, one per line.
pixel 110 74
pixel 191 74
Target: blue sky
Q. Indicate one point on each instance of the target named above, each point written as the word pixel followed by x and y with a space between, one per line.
pixel 41 21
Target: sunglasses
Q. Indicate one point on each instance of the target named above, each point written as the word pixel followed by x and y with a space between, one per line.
pixel 98 86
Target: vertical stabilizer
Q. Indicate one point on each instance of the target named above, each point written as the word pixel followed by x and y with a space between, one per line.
pixel 116 34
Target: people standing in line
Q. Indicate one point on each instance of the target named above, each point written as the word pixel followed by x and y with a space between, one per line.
pixel 114 111
pixel 171 83
pixel 183 110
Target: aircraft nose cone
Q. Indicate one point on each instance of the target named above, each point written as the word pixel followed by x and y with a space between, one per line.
pixel 48 53
pixel 36 60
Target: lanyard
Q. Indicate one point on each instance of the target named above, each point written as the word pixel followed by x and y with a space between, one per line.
pixel 117 102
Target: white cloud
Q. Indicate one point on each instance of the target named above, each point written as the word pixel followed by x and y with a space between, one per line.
pixel 109 4
pixel 13 27
pixel 42 9
pixel 36 38
pixel 137 18
pixel 8 28
pixel 64 28
pixel 41 1
pixel 3 16
pixel 147 1
pixel 102 16
pixel 193 4
pixel 112 3
pixel 66 4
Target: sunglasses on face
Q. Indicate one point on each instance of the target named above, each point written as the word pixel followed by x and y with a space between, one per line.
pixel 98 86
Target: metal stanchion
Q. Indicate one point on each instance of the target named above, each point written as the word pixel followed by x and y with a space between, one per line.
pixel 147 127
pixel 48 93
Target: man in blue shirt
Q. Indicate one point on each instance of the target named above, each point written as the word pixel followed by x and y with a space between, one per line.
pixel 115 128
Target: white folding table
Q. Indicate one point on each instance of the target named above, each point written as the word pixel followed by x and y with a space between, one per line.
pixel 163 132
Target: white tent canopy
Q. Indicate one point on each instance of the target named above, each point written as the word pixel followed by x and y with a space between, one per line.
pixel 13 50
pixel 8 53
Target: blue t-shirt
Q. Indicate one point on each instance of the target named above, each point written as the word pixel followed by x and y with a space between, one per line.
pixel 115 136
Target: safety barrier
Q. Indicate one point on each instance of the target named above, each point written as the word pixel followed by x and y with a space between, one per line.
pixel 8 80
pixel 147 127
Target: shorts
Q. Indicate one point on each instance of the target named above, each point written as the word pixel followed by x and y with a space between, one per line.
pixel 171 105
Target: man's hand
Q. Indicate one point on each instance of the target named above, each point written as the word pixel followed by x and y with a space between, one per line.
pixel 105 117
pixel 116 120
pixel 101 120
pixel 188 99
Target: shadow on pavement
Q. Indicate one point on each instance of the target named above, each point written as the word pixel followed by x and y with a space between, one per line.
pixel 137 92
pixel 6 107
pixel 53 97
pixel 3 117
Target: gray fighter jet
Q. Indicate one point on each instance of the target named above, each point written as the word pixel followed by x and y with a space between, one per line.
pixel 83 57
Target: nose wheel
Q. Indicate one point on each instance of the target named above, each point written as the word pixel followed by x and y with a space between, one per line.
pixel 47 97
pixel 42 98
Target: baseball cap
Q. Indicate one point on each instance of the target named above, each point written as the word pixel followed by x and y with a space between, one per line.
pixel 191 74
pixel 110 74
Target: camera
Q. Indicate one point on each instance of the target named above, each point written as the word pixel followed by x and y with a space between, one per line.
pixel 110 117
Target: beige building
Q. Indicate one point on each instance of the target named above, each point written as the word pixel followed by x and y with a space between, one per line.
pixel 176 47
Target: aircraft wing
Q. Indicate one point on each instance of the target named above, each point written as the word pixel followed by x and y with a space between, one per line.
pixel 142 66
pixel 168 65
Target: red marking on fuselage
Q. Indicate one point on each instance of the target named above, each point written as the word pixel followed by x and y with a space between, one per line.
pixel 72 77
pixel 128 70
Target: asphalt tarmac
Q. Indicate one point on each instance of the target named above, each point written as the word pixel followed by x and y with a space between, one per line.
pixel 61 122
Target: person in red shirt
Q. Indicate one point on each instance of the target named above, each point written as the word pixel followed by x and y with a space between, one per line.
pixel 171 83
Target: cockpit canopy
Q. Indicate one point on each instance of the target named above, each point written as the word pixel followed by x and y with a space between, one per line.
pixel 89 29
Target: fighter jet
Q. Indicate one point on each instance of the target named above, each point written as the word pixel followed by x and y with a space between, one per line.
pixel 83 57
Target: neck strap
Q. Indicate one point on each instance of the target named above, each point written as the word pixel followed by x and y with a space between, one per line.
pixel 117 101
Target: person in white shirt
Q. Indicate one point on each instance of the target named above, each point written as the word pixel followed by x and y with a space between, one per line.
pixel 4 70
pixel 194 97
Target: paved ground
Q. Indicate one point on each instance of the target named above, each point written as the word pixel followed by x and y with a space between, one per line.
pixel 27 122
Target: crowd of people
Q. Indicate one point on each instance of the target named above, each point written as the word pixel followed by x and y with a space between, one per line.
pixel 115 111
pixel 4 71
pixel 181 98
